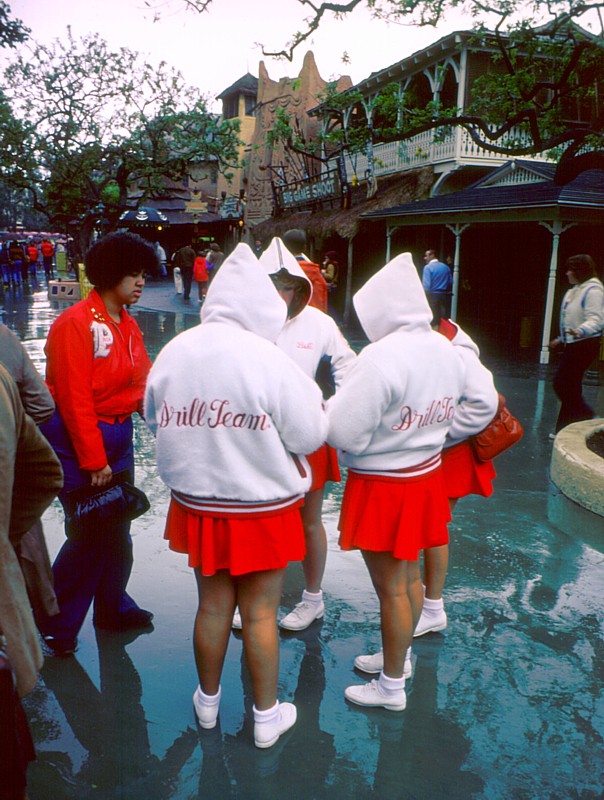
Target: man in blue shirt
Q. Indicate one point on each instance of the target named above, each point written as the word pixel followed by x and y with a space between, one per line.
pixel 437 281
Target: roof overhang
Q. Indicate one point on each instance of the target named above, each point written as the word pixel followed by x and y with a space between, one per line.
pixel 519 214
pixel 581 200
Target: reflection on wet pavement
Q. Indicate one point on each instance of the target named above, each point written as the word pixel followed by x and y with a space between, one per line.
pixel 506 703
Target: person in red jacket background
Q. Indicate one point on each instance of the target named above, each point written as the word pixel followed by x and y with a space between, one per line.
pixel 32 256
pixel 48 251
pixel 96 370
pixel 200 274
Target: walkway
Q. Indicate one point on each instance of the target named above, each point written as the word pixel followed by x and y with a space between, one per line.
pixel 506 703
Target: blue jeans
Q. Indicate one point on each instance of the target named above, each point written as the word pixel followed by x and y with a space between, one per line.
pixel 16 271
pixel 89 568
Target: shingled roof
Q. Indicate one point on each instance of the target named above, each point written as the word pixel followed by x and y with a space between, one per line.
pixel 583 193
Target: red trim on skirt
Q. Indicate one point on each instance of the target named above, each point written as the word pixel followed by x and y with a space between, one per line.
pixel 237 545
pixel 394 515
pixel 324 467
pixel 464 474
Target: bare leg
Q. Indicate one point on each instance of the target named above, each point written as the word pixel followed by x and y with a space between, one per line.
pixel 392 580
pixel 258 595
pixel 436 560
pixel 436 563
pixel 217 600
pixel 316 540
pixel 416 591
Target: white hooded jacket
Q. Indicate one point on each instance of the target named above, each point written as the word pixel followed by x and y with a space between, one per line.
pixel 310 335
pixel 228 407
pixel 480 400
pixel 397 403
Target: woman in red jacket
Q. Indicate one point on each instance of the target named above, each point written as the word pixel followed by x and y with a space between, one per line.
pixel 200 274
pixel 96 370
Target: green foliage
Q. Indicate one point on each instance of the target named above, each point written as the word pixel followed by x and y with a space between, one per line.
pixel 541 82
pixel 110 194
pixel 540 90
pixel 86 123
pixel 282 130
pixel 12 31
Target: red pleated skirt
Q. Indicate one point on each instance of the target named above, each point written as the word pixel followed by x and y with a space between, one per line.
pixel 395 515
pixel 324 467
pixel 236 544
pixel 464 474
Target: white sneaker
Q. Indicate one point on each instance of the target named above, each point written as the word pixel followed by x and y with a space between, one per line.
pixel 266 734
pixel 303 615
pixel 206 707
pixel 371 695
pixel 374 664
pixel 237 624
pixel 430 623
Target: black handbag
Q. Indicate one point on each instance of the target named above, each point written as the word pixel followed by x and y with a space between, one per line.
pixel 95 510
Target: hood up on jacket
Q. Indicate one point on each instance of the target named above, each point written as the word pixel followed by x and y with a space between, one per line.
pixel 243 295
pixel 393 299
pixel 282 266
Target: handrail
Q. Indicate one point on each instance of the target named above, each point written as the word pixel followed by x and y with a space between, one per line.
pixel 429 148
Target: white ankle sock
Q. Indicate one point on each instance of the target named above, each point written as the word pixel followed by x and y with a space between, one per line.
pixel 210 699
pixel 390 685
pixel 312 597
pixel 268 715
pixel 431 606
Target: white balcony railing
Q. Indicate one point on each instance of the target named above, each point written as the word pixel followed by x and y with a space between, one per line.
pixel 454 145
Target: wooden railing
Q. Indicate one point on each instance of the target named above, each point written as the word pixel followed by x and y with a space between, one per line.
pixel 429 148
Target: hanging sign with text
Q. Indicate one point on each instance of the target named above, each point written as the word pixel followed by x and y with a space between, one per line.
pixel 309 192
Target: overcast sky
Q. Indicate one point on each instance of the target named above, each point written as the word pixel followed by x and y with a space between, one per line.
pixel 214 49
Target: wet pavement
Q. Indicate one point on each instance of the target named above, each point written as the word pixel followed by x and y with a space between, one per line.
pixel 506 703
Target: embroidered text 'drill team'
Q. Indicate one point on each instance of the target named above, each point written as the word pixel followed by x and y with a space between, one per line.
pixel 213 415
pixel 436 413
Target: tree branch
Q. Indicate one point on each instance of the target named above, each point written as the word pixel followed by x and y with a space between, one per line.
pixel 312 24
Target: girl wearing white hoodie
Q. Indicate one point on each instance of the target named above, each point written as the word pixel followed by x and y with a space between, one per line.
pixel 462 472
pixel 308 337
pixel 389 421
pixel 463 475
pixel 231 411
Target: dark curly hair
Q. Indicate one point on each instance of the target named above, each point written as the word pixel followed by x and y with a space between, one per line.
pixel 116 255
pixel 295 240
pixel 583 266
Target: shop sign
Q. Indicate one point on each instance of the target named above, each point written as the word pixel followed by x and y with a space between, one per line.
pixel 231 208
pixel 309 192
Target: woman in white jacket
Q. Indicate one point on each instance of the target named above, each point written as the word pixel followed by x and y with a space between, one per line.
pixel 462 472
pixel 463 475
pixel 389 422
pixel 310 337
pixel 231 411
pixel 581 324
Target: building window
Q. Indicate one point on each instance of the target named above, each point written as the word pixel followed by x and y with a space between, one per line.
pixel 230 107
pixel 250 104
